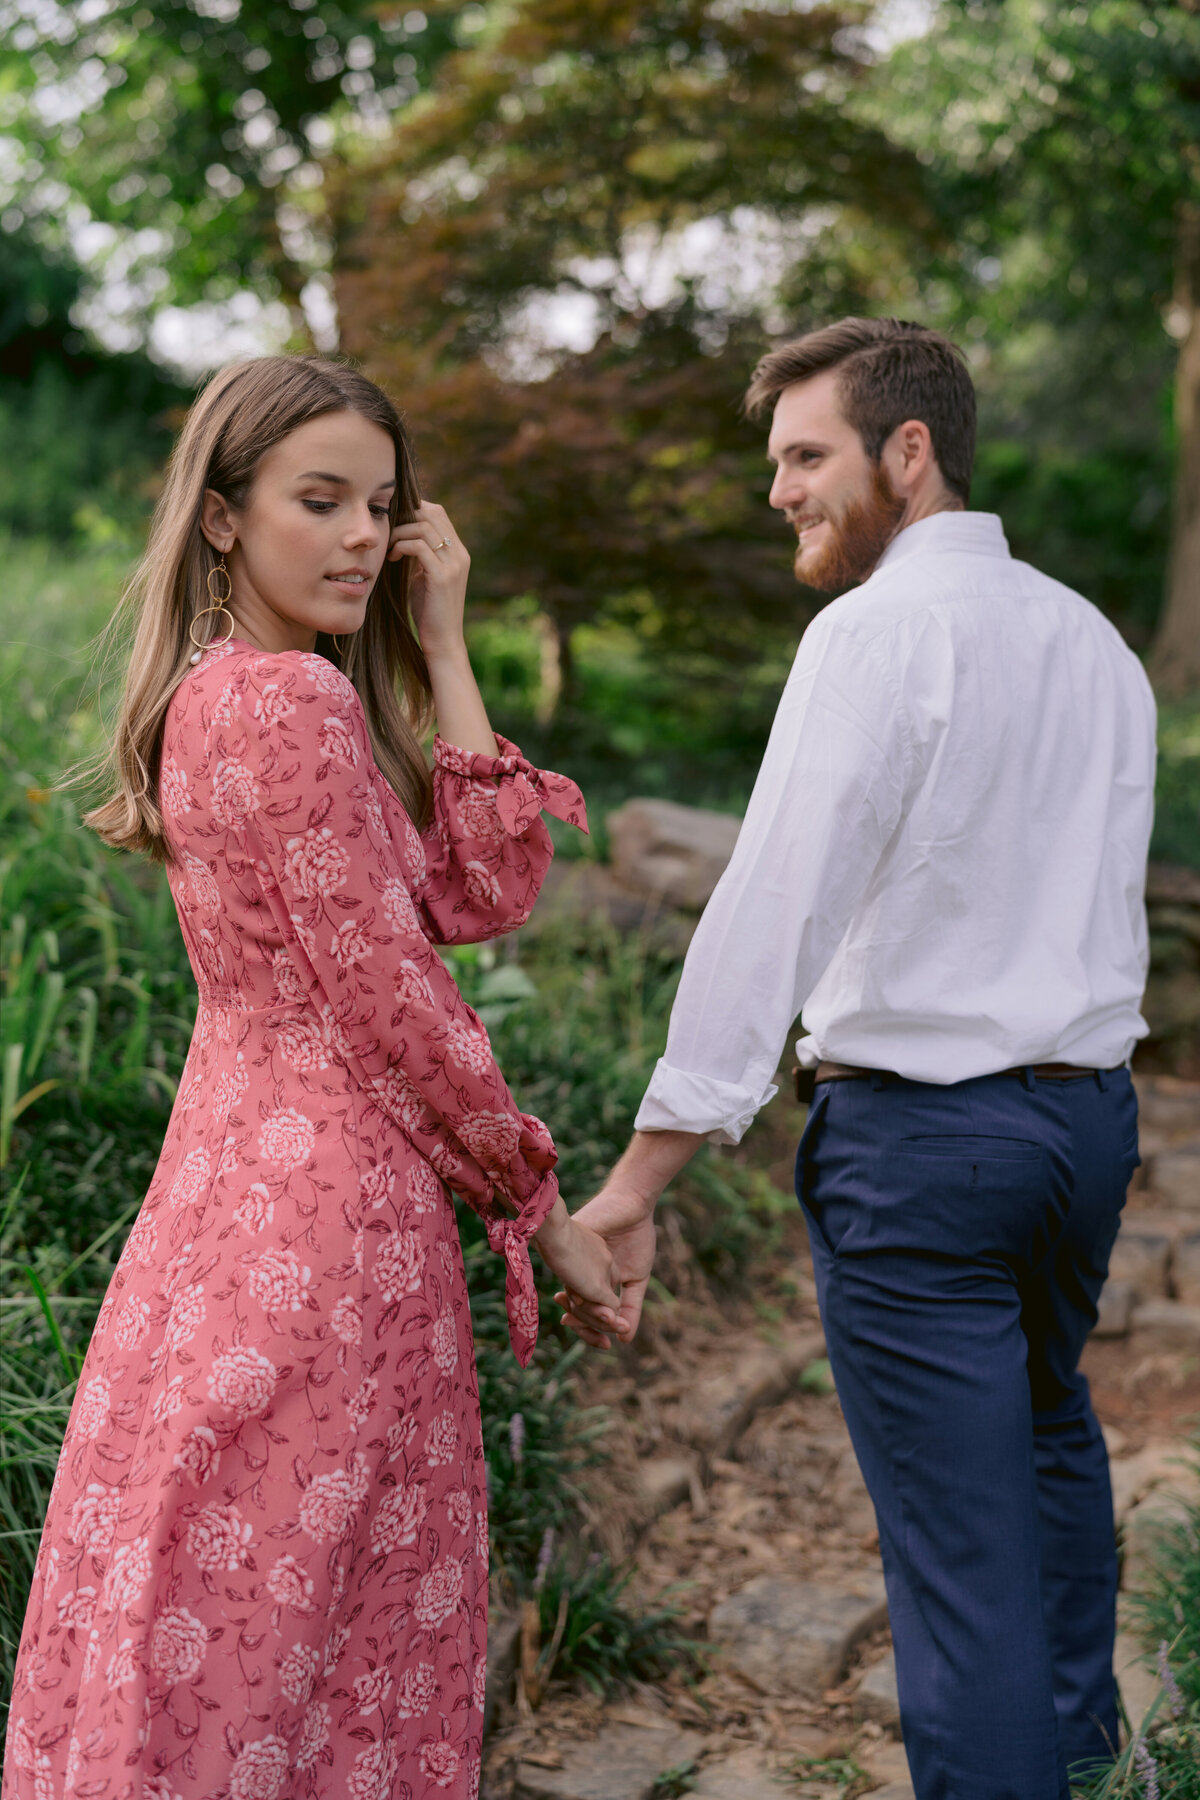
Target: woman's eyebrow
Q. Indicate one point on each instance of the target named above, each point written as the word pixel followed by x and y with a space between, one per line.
pixel 340 480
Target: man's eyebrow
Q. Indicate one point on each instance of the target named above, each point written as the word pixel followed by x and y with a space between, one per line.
pixel 792 449
pixel 340 480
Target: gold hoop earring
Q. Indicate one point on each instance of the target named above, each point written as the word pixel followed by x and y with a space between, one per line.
pixel 218 606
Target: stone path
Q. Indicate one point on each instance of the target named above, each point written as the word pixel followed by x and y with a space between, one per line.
pixel 742 1485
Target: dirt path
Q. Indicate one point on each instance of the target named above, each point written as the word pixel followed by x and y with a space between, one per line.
pixel 734 1487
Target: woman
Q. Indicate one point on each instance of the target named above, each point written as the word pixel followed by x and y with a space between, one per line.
pixel 264 1566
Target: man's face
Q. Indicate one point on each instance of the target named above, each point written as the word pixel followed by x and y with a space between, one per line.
pixel 842 505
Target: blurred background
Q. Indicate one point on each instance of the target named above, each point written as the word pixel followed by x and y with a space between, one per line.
pixel 560 232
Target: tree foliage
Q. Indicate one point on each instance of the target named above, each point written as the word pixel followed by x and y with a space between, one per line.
pixel 199 122
pixel 560 158
pixel 1064 142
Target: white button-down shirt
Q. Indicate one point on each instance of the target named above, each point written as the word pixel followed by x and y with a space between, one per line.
pixel 943 861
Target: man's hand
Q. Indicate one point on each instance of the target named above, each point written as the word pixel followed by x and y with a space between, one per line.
pixel 622 1213
pixel 626 1224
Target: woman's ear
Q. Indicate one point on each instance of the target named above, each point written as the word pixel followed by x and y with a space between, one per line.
pixel 216 521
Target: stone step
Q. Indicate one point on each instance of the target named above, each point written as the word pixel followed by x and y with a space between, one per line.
pixel 1114 1314
pixel 623 1762
pixel 504 1636
pixel 1161 1463
pixel 1174 1177
pixel 743 1776
pixel 1138 1683
pixel 796 1637
pixel 1141 1256
pixel 1152 1521
pixel 1166 1325
pixel 1185 1268
pixel 876 1697
pixel 720 1408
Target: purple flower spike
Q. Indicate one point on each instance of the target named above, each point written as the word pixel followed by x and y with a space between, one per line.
pixel 1147 1768
pixel 516 1439
pixel 545 1556
pixel 1170 1686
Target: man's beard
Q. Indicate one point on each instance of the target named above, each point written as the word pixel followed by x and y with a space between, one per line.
pixel 857 539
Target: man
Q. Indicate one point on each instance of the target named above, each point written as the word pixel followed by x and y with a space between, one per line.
pixel 942 867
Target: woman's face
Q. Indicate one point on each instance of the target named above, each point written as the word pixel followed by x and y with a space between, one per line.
pixel 306 550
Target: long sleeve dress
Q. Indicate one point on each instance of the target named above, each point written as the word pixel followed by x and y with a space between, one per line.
pixel 264 1566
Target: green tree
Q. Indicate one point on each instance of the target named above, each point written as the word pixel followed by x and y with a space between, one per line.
pixel 84 433
pixel 195 127
pixel 563 160
pixel 1064 146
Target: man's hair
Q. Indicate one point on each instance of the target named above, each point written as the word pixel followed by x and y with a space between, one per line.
pixel 889 370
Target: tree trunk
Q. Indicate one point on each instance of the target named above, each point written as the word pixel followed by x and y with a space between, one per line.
pixel 565 698
pixel 1175 655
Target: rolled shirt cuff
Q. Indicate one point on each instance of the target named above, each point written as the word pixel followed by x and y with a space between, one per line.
pixel 678 1100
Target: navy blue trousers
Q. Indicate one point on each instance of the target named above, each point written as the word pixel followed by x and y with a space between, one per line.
pixel 960 1238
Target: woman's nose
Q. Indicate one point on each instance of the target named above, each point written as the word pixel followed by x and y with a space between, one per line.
pixel 365 528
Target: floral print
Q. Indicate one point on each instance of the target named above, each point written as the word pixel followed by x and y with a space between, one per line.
pixel 264 1569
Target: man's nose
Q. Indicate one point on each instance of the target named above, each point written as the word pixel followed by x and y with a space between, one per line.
pixel 786 490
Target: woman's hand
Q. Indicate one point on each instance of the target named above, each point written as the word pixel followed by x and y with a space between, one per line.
pixel 581 1259
pixel 437 588
pixel 437 593
pixel 624 1222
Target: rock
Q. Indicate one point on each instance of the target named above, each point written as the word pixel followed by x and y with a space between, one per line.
pixel 665 1481
pixel 856 1514
pixel 1138 1683
pixel 578 890
pixel 719 1410
pixel 1140 1258
pixel 504 1632
pixel 1185 1269
pixel 1171 884
pixel 674 854
pixel 1152 1521
pixel 886 1763
pixel 1159 1464
pixel 1175 1178
pixel 1167 1325
pixel 1115 1310
pixel 876 1697
pixel 623 1763
pixel 795 1636
pixel 1167 1104
pixel 744 1776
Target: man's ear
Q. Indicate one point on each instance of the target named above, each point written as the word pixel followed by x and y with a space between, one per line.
pixel 908 455
pixel 216 521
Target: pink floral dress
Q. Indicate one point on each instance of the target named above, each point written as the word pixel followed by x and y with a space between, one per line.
pixel 264 1566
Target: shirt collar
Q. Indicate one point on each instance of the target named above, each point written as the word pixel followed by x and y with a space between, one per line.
pixel 967 533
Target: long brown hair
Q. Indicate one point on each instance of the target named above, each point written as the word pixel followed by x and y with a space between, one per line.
pixel 245 410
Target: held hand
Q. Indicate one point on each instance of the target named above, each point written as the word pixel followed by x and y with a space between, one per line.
pixel 625 1223
pixel 437 588
pixel 581 1259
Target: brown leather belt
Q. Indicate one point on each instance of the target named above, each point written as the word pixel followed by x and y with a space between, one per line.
pixel 828 1071
pixel 804 1081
